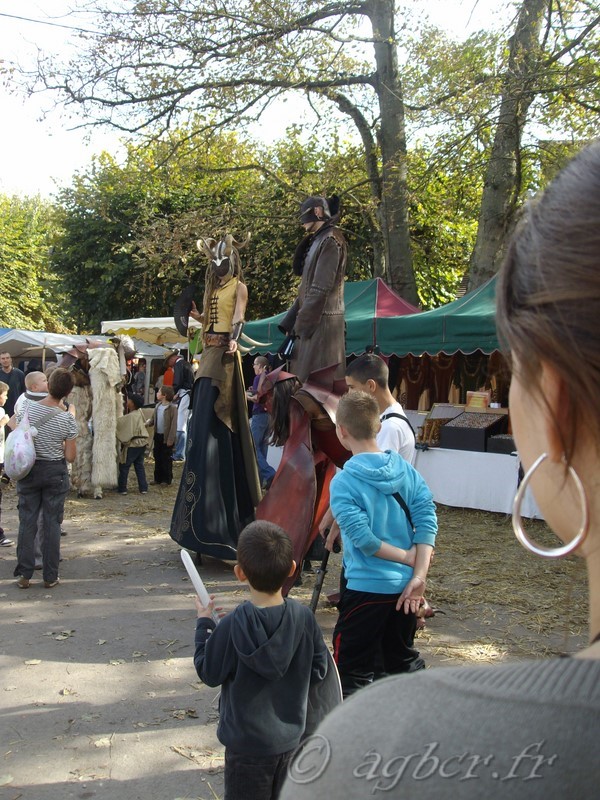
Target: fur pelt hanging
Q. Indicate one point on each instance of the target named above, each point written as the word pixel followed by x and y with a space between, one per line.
pixel 107 405
pixel 81 397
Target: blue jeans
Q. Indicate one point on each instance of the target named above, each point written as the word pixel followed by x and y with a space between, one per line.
pixel 179 450
pixel 259 425
pixel 43 491
pixel 135 456
pixel 183 406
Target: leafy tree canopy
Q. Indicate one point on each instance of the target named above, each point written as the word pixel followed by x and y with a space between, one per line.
pixel 128 241
pixel 157 65
pixel 30 295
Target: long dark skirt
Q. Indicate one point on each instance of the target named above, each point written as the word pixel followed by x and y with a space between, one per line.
pixel 214 501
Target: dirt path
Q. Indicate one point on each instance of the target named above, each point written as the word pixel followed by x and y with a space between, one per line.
pixel 99 697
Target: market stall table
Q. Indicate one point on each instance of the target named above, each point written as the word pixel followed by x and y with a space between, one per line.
pixel 469 479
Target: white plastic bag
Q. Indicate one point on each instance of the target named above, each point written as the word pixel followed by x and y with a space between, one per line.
pixel 19 451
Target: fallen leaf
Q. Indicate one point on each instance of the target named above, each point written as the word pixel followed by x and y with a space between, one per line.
pixel 32 662
pixel 137 654
pixel 182 713
pixel 61 637
pixel 9 688
pixel 104 742
pixel 101 641
pixel 114 662
pixel 65 692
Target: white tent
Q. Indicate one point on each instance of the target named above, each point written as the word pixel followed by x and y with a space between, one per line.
pixel 31 344
pixel 24 344
pixel 157 330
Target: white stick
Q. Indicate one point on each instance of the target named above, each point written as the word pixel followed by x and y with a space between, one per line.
pixel 197 581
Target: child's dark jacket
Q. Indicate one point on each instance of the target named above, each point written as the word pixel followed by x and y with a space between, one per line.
pixel 265 660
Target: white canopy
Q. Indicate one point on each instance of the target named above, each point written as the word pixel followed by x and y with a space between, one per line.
pixel 34 344
pixel 157 330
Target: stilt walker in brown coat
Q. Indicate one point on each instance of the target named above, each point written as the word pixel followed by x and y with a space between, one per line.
pixel 316 319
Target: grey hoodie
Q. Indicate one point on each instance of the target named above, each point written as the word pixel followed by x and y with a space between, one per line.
pixel 265 660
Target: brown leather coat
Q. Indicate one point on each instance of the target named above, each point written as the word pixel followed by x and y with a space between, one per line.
pixel 317 315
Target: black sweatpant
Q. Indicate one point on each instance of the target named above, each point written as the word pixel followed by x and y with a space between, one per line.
pixel 368 630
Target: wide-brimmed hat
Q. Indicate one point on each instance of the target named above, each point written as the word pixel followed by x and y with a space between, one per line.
pixel 330 206
pixel 78 351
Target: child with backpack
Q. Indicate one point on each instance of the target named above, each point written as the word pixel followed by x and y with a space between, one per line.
pixel 383 507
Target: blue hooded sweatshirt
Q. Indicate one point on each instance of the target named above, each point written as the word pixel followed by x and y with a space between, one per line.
pixel 364 507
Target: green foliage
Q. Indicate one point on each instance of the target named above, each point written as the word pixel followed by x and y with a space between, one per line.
pixel 154 65
pixel 30 296
pixel 128 245
pixel 444 209
pixel 128 240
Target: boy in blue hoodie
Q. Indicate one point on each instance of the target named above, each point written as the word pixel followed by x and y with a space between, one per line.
pixel 388 524
pixel 264 655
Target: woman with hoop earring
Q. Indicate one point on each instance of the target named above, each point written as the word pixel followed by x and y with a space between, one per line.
pixel 526 730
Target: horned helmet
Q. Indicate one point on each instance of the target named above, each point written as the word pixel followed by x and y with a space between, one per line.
pixel 223 255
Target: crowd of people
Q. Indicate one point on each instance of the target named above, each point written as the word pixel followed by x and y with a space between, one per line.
pixel 475 732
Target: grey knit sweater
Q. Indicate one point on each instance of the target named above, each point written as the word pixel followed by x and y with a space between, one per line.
pixel 529 730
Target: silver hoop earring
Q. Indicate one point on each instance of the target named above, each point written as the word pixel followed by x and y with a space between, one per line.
pixel 517 522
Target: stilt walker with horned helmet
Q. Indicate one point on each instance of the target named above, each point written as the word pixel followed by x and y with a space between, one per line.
pixel 220 486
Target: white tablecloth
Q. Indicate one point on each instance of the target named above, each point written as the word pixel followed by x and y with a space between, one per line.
pixel 466 479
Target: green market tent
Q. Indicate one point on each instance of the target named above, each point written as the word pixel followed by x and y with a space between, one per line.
pixel 464 325
pixel 368 304
pixel 375 315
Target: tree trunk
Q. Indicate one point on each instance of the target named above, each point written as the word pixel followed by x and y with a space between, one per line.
pixel 502 182
pixel 375 221
pixel 393 212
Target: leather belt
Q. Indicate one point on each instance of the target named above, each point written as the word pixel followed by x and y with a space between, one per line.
pixel 216 339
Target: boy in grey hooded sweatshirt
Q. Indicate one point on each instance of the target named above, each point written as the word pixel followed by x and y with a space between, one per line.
pixel 264 655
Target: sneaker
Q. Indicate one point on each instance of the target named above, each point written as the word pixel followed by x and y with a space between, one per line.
pixel 23 583
pixel 51 584
pixel 4 542
pixel 144 492
pixel 122 492
pixel 63 532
